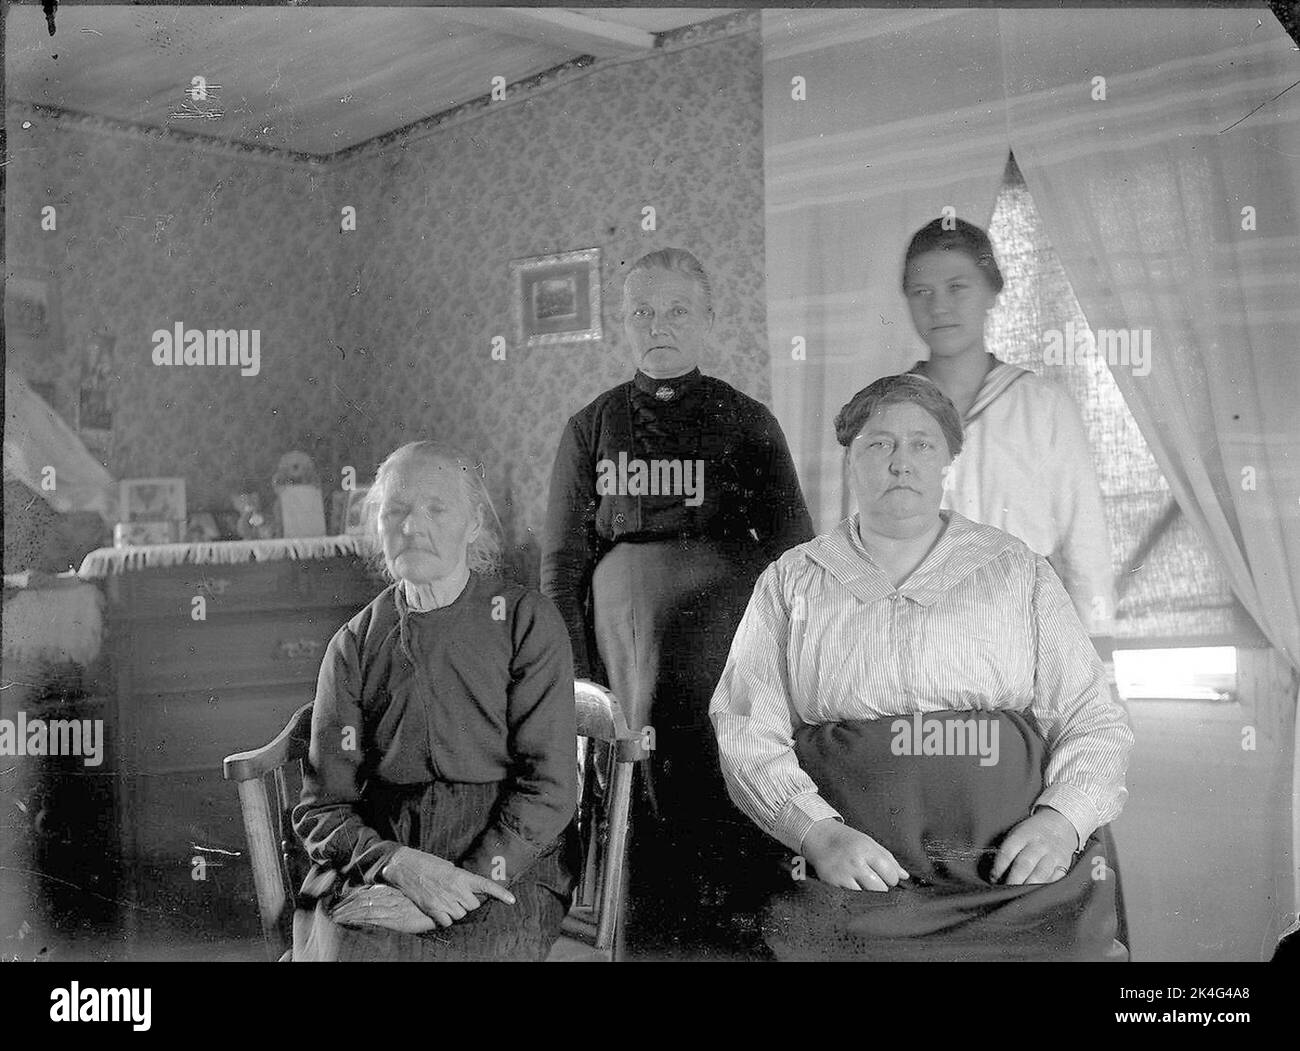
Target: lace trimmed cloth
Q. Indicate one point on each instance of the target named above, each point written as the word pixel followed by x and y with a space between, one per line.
pixel 106 561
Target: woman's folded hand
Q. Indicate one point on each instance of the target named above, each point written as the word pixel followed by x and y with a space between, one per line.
pixel 380 906
pixel 1038 850
pixel 845 857
pixel 438 888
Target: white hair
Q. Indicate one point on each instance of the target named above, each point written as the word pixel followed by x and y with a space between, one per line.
pixel 484 554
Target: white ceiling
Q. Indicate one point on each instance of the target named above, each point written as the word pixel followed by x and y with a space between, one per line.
pixel 311 79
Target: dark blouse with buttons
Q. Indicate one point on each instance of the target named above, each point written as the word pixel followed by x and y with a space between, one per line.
pixel 477 692
pixel 660 459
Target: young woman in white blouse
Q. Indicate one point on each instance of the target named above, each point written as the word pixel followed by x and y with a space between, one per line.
pixel 1027 466
pixel 912 705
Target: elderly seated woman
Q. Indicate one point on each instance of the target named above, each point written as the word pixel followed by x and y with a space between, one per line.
pixel 438 801
pixel 912 704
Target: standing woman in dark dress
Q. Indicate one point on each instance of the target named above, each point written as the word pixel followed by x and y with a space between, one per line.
pixel 670 494
pixel 438 799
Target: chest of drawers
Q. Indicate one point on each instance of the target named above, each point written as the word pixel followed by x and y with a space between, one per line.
pixel 208 660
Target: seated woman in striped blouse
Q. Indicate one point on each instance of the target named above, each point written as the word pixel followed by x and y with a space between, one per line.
pixel 912 705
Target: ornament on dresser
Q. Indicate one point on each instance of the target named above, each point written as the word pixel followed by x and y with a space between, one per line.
pixel 299 505
pixel 348 510
pixel 253 523
pixel 357 517
pixel 202 528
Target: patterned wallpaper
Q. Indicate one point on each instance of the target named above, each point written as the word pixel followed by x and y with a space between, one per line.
pixel 382 335
pixel 571 168
pixel 150 233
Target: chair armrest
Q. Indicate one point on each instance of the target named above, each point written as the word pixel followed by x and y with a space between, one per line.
pixel 632 749
pixel 600 716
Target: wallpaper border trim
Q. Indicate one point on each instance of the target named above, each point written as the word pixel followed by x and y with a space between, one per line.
pixel 70 120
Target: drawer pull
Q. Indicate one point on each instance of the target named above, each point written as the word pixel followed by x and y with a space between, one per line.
pixel 300 649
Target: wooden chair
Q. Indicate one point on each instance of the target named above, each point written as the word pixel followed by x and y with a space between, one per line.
pixel 277 858
pixel 591 929
pixel 269 780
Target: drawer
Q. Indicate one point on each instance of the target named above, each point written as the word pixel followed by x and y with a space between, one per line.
pixel 346 582
pixel 175 813
pixel 196 731
pixel 168 593
pixel 171 905
pixel 277 649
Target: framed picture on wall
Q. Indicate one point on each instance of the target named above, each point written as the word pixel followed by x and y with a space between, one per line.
pixel 556 298
pixel 33 337
pixel 95 404
pixel 30 317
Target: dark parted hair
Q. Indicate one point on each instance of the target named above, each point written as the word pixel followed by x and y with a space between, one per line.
pixel 910 387
pixel 964 237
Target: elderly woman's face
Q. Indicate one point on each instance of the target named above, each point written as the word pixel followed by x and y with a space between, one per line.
pixel 898 462
pixel 949 297
pixel 426 521
pixel 666 319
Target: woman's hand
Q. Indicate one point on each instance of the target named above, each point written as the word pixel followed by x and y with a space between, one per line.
pixel 1038 850
pixel 438 888
pixel 845 857
pixel 380 906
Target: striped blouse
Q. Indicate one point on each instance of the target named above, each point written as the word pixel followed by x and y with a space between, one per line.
pixel 983 623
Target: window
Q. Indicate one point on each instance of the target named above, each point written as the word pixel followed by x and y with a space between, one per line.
pixel 1207 673
pixel 1170 591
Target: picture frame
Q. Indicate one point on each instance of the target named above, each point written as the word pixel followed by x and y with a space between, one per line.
pixel 156 503
pixel 95 394
pixel 31 319
pixel 354 521
pixel 338 511
pixel 33 337
pixel 556 298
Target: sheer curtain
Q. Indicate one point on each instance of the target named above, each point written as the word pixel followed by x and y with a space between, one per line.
pixel 1170 587
pixel 1169 220
pixel 1175 206
pixel 48 457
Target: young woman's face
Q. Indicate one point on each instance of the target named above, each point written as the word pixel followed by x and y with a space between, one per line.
pixel 949 297
pixel 666 320
pixel 897 465
pixel 426 521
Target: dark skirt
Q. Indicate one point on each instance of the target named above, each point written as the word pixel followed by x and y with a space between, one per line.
pixel 664 614
pixel 942 817
pixel 444 819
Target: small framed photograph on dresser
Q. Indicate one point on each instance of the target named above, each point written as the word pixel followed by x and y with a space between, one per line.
pixel 356 521
pixel 150 511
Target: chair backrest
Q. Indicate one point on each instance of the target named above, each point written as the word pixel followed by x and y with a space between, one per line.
pixel 269 779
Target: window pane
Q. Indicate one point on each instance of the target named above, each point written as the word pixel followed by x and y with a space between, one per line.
pixel 1201 674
